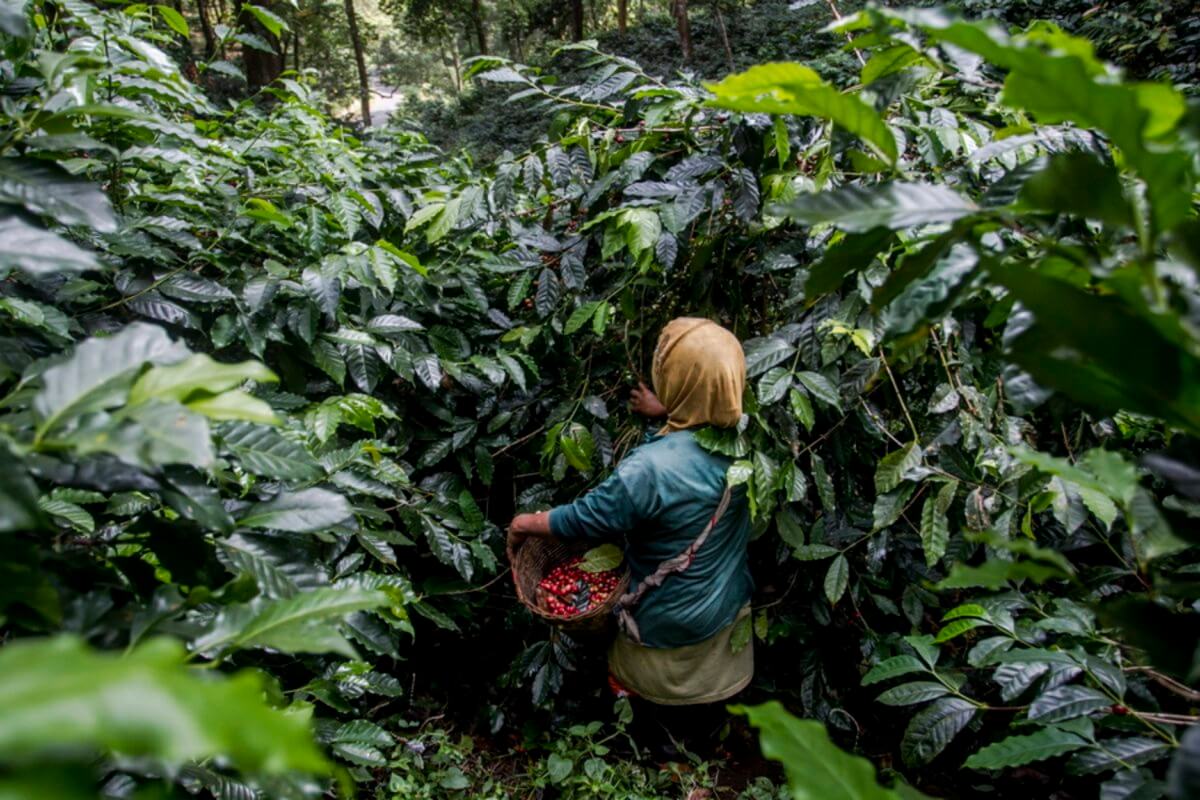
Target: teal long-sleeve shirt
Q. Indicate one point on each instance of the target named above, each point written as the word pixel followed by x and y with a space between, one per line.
pixel 658 500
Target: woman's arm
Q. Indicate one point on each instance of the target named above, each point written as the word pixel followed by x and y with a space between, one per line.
pixel 604 514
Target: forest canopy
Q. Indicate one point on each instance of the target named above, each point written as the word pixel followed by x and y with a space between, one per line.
pixel 302 302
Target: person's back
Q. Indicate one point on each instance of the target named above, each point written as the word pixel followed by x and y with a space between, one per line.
pixel 668 490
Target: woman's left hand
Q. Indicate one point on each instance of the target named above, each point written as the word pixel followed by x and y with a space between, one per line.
pixel 644 401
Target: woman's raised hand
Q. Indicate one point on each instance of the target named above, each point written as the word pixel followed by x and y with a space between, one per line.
pixel 644 401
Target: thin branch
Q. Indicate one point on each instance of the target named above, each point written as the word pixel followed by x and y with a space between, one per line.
pixel 837 15
pixel 471 590
pixel 955 381
pixel 1168 683
pixel 520 441
pixel 899 395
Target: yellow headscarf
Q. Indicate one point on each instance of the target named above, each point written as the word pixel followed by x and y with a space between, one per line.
pixel 699 372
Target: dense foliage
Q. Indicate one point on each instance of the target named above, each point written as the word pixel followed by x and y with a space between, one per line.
pixel 270 388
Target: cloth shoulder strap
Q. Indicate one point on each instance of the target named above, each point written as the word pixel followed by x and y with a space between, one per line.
pixel 673 565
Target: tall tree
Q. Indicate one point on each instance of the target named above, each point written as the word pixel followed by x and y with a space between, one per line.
pixel 724 34
pixel 261 67
pixel 364 82
pixel 210 37
pixel 622 16
pixel 577 20
pixel 680 10
pixel 455 64
pixel 480 25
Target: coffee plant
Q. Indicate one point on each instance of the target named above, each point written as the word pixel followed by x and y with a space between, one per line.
pixel 271 388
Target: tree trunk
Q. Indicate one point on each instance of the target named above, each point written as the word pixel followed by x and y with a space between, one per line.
pixel 622 16
pixel 457 67
pixel 724 33
pixel 518 49
pixel 685 29
pixel 577 20
pixel 261 68
pixel 364 82
pixel 480 28
pixel 296 51
pixel 210 37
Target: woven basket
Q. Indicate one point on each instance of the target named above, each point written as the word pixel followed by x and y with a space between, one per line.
pixel 534 561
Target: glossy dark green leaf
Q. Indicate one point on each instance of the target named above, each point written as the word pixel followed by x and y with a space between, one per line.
pixel 814 552
pixel 820 387
pixel 43 188
pixel 933 728
pixel 888 507
pixel 37 251
pixel 762 354
pixel 1066 702
pixel 1111 754
pixel 1014 679
pixel 297 624
pixel 853 253
pixel 263 451
pixel 907 694
pixel 928 298
pixel 1018 750
pixel 325 291
pixel 549 290
pixel 837 578
pixel 305 511
pixel 429 370
pixel 1098 351
pixel 1057 188
pixel 892 205
pixel 895 465
pixel 893 667
pixel 789 88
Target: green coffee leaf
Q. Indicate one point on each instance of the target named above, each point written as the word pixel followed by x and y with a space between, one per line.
pixel 933 728
pixel 305 511
pixel 1066 702
pixel 789 88
pixel 1016 751
pixel 602 559
pixel 837 578
pixel 60 693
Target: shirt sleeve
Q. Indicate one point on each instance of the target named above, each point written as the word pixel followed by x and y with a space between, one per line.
pixel 605 513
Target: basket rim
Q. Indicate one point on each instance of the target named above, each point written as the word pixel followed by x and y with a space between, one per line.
pixel 521 563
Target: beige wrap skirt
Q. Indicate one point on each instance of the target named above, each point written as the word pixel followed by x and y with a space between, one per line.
pixel 705 672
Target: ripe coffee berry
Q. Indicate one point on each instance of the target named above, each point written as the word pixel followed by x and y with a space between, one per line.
pixel 567 590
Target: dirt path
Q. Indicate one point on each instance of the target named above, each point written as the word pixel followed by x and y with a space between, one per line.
pixel 384 100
